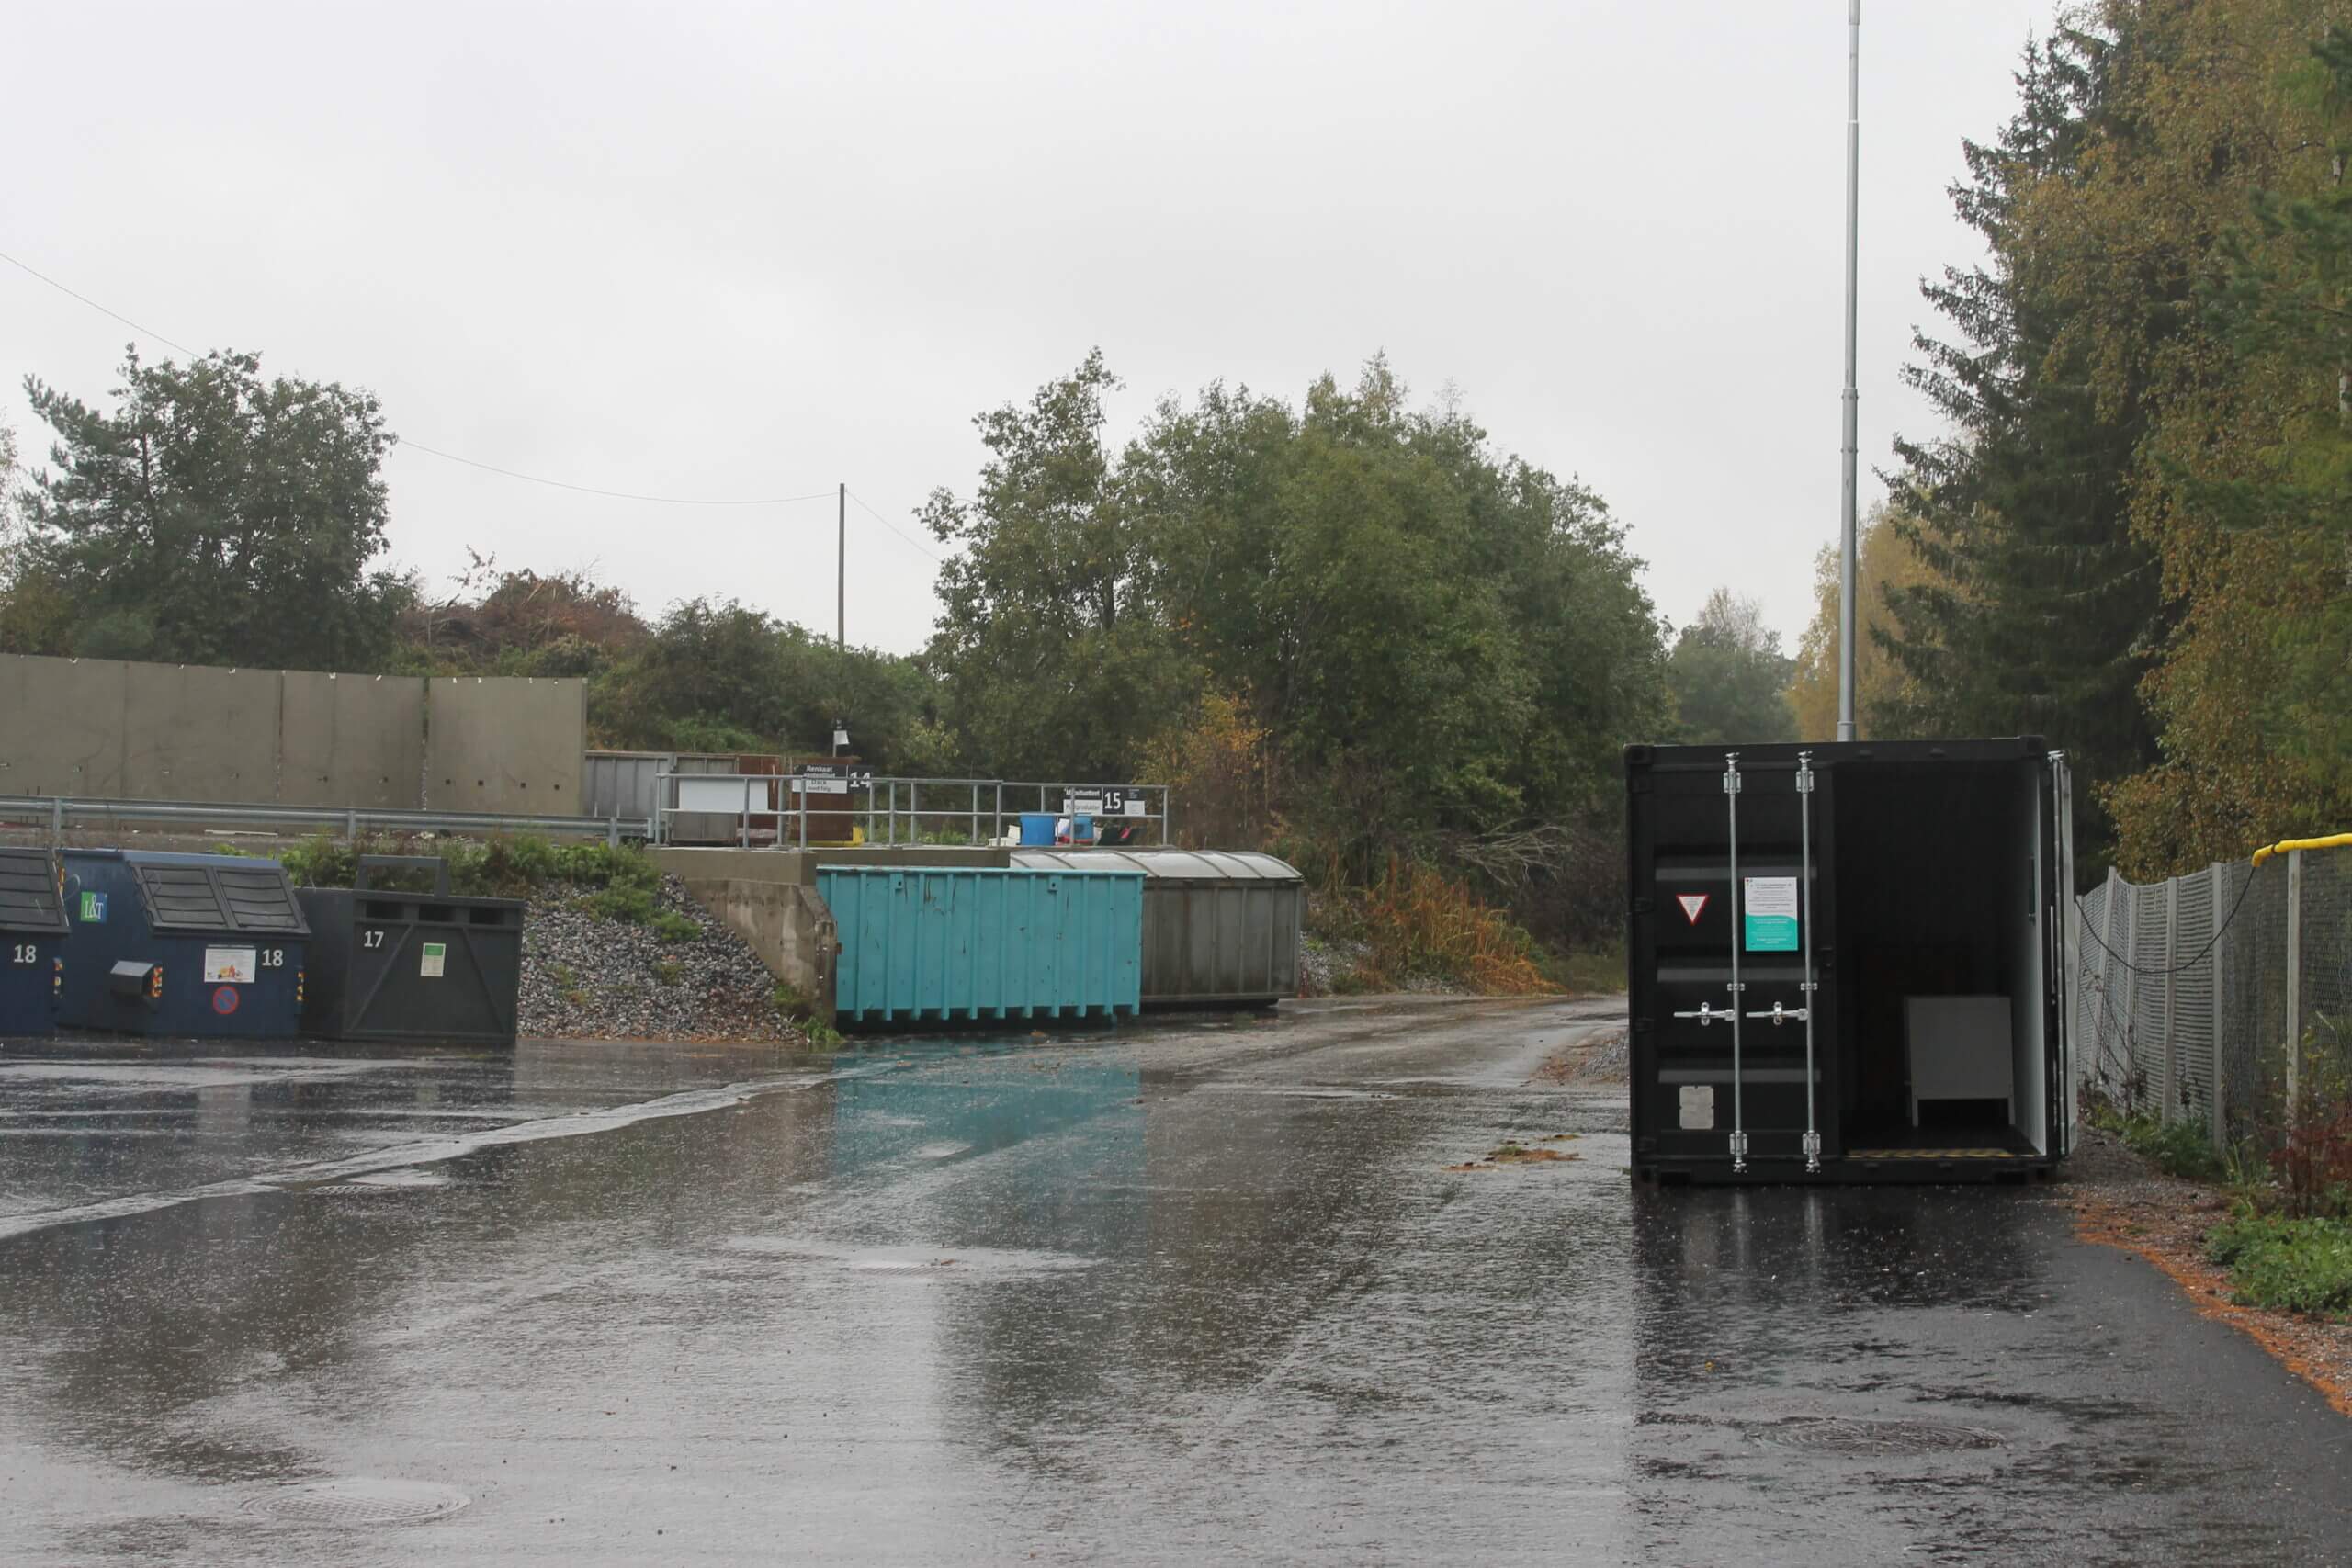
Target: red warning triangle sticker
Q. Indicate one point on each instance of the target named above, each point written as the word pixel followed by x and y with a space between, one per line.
pixel 1692 903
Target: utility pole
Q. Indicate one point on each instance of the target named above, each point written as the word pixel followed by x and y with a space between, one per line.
pixel 841 574
pixel 1848 546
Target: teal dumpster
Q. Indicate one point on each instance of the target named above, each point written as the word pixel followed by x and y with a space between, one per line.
pixel 937 943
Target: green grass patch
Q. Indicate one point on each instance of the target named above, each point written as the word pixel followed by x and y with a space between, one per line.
pixel 670 926
pixel 496 868
pixel 2286 1264
pixel 1587 970
pixel 2177 1149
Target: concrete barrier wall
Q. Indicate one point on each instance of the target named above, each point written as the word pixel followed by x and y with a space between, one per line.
pixel 351 741
pixel 494 744
pixel 105 729
pixel 61 726
pixel 193 732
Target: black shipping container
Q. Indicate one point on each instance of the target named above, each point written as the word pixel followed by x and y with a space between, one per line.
pixel 1849 960
pixel 419 967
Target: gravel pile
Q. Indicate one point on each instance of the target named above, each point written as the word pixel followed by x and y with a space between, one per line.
pixel 1597 1060
pixel 585 978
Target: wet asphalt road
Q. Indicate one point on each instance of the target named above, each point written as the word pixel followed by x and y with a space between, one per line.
pixel 1198 1292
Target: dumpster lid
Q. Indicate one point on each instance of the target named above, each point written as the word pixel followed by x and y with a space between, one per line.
pixel 28 900
pixel 1210 866
pixel 199 892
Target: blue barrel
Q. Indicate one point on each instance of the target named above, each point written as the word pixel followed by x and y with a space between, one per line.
pixel 206 946
pixel 1037 828
pixel 32 940
pixel 926 943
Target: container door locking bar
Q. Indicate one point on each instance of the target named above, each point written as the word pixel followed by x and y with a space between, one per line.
pixel 1738 1121
pixel 1804 832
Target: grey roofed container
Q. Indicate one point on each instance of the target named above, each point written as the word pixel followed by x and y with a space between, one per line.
pixel 1218 927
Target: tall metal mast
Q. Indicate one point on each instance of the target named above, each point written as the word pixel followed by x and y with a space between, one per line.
pixel 1848 547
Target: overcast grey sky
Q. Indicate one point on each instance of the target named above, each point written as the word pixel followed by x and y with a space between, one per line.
pixel 750 250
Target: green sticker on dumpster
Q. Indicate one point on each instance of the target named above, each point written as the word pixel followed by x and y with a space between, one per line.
pixel 436 955
pixel 93 909
pixel 1770 904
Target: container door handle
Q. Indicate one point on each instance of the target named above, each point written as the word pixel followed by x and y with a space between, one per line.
pixel 1707 1015
pixel 1780 1015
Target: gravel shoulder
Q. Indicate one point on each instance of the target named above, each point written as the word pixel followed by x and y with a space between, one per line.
pixel 1597 1059
pixel 2121 1200
pixel 585 978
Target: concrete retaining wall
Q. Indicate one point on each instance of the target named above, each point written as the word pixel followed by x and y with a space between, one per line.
pixel 800 867
pixel 788 925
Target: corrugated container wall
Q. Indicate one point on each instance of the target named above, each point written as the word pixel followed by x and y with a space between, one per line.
pixel 1219 927
pixel 931 943
pixel 621 783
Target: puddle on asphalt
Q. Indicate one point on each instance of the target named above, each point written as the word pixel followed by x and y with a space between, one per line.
pixel 358 1501
pixel 1288 1091
pixel 917 1261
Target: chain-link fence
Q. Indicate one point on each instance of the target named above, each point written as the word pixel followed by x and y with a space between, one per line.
pixel 2188 991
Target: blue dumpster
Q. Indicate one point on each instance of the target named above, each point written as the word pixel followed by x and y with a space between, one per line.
pixel 33 937
pixel 939 943
pixel 183 946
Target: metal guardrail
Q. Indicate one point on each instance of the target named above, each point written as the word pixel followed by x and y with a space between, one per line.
pixel 894 812
pixel 57 811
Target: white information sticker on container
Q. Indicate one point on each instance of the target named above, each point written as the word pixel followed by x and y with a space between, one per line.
pixel 1770 904
pixel 230 965
pixel 1698 1107
pixel 436 958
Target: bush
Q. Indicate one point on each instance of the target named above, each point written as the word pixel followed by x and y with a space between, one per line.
pixel 670 926
pixel 2291 1265
pixel 2313 1166
pixel 2177 1149
pixel 498 868
pixel 620 901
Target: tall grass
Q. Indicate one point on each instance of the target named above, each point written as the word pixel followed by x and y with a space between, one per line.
pixel 1420 921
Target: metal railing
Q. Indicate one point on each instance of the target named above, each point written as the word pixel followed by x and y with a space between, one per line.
pixel 895 810
pixel 59 811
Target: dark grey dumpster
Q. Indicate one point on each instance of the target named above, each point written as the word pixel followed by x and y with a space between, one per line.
pixel 1219 928
pixel 428 967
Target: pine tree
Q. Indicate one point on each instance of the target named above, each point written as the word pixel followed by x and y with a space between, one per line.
pixel 2043 609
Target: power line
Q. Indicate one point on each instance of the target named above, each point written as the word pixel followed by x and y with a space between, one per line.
pixel 902 534
pixel 101 310
pixel 405 443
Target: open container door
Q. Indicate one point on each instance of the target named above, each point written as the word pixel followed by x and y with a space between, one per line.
pixel 2063 913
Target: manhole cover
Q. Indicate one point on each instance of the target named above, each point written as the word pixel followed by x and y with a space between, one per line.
pixel 359 1500
pixel 1842 1435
